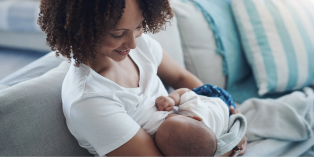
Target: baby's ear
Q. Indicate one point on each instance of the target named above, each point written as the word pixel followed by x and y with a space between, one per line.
pixel 197 118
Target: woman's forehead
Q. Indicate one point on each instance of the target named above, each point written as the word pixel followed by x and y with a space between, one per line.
pixel 131 17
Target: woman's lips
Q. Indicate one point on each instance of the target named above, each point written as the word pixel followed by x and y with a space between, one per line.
pixel 124 52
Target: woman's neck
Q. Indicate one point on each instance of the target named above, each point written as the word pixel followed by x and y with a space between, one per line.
pixel 105 63
pixel 102 63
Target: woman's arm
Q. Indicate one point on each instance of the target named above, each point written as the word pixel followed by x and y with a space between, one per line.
pixel 109 129
pixel 176 76
pixel 142 144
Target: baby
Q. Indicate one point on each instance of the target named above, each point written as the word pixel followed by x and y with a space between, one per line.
pixel 201 119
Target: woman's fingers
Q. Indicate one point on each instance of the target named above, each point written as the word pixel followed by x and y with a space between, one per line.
pixel 243 147
pixel 232 110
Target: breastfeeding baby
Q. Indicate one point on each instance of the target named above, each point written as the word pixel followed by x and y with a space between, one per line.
pixel 203 115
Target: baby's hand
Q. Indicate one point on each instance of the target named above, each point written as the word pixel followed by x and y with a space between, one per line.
pixel 164 103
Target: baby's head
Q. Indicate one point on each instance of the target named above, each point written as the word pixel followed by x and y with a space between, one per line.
pixel 184 136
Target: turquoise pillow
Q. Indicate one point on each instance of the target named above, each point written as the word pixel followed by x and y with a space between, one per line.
pixel 278 39
pixel 219 15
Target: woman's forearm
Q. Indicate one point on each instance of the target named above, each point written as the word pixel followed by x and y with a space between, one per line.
pixel 142 144
pixel 188 80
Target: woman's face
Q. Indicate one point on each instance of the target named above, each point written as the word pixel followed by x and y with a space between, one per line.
pixel 119 40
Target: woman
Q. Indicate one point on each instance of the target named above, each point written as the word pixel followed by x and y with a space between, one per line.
pixel 111 86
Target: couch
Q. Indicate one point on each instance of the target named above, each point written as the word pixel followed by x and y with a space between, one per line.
pixel 206 43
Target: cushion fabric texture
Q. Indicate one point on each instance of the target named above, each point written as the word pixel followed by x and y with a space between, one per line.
pixel 19 16
pixel 34 69
pixel 198 44
pixel 226 43
pixel 278 40
pixel 24 40
pixel 173 46
pixel 3 86
pixel 32 121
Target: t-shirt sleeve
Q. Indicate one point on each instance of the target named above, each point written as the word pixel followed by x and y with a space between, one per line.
pixel 155 47
pixel 103 123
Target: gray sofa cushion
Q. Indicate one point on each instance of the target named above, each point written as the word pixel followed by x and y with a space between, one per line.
pixel 32 121
pixel 33 70
pixel 170 41
pixel 3 86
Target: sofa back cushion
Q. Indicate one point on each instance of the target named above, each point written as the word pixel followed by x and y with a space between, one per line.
pixel 32 121
pixel 3 86
pixel 198 43
pixel 170 41
pixel 277 37
pixel 34 69
pixel 19 15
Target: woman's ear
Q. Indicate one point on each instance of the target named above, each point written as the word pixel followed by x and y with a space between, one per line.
pixel 197 118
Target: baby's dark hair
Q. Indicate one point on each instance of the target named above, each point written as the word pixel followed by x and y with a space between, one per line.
pixel 194 139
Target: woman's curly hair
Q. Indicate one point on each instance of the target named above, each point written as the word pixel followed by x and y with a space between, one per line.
pixel 75 28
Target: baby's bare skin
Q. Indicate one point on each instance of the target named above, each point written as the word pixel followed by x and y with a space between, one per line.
pixel 166 103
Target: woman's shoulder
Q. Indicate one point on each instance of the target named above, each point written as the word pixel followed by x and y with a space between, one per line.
pixel 147 41
pixel 150 48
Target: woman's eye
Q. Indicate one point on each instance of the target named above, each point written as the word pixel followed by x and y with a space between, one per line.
pixel 139 27
pixel 117 36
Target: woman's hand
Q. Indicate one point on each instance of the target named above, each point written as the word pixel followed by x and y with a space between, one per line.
pixel 243 143
pixel 164 103
pixel 233 110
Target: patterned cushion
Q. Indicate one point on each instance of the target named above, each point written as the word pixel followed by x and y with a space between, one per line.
pixel 278 39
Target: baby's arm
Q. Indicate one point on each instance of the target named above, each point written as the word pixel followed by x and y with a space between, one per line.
pixel 176 95
pixel 167 103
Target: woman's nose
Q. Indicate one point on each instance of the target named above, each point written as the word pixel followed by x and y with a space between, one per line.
pixel 131 41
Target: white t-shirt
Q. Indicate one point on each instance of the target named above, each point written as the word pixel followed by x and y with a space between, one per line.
pixel 212 110
pixel 102 115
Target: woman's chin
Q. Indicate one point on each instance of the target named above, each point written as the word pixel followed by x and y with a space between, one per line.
pixel 119 58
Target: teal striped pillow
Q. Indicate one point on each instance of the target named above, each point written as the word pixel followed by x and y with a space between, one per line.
pixel 278 40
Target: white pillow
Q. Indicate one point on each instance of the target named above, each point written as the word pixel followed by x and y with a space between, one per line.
pixel 198 43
